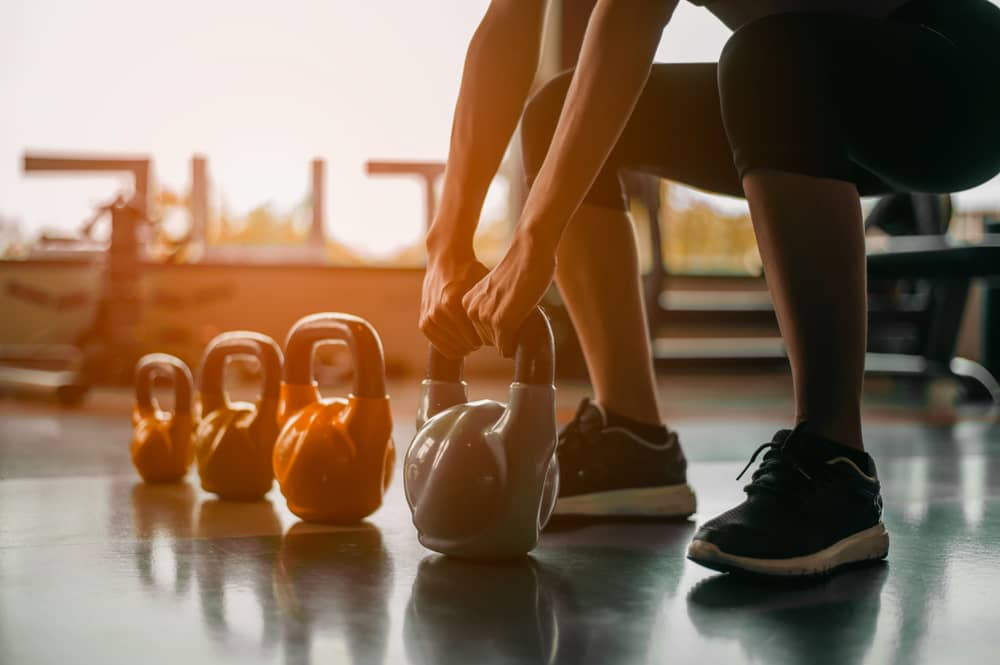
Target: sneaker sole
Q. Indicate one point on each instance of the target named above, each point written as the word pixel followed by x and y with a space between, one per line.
pixel 666 501
pixel 869 545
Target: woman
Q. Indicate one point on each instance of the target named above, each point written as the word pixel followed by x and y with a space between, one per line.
pixel 810 105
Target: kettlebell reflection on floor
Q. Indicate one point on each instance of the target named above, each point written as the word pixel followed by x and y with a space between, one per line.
pixel 234 572
pixel 259 591
pixel 473 611
pixel 333 584
pixel 569 604
pixel 163 522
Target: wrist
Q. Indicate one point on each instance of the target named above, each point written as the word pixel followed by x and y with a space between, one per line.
pixel 444 243
pixel 537 236
pixel 449 252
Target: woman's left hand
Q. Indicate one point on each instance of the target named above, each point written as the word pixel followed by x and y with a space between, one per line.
pixel 500 302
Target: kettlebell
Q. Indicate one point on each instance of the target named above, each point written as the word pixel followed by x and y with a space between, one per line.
pixel 234 440
pixel 481 477
pixel 334 457
pixel 161 441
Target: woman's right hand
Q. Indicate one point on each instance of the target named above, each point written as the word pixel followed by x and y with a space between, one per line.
pixel 450 274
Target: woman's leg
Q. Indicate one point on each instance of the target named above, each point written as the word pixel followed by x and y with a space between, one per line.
pixel 811 239
pixel 598 263
pixel 816 106
pixel 616 457
pixel 598 276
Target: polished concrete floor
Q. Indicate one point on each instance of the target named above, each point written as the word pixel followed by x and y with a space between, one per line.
pixel 97 567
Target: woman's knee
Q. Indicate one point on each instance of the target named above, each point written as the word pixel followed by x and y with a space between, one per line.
pixel 538 123
pixel 776 92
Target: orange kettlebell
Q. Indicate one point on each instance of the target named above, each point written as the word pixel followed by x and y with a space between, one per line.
pixel 233 440
pixel 161 441
pixel 334 457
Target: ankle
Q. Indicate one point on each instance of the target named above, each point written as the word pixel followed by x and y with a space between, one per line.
pixel 844 433
pixel 654 432
pixel 644 412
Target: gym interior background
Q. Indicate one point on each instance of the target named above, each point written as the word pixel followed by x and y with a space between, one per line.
pixel 170 172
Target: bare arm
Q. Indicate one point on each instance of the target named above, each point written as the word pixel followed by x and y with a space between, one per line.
pixel 615 62
pixel 499 69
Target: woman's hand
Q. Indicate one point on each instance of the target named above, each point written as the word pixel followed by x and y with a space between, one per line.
pixel 502 300
pixel 442 318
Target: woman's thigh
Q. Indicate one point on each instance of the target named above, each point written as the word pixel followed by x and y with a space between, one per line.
pixel 675 132
pixel 916 111
pixel 891 104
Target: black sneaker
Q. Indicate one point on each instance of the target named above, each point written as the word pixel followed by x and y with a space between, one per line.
pixel 809 510
pixel 612 471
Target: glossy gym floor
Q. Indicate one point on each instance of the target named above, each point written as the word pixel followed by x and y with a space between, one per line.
pixel 97 567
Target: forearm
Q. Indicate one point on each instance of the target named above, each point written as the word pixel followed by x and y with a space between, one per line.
pixel 499 69
pixel 614 64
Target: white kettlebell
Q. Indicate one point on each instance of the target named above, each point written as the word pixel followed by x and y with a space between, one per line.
pixel 481 477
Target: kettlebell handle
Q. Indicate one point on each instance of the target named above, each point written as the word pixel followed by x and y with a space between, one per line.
pixel 359 336
pixel 163 365
pixel 534 357
pixel 238 342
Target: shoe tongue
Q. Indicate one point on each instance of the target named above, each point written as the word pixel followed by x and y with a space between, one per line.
pixel 809 448
pixel 591 416
pixel 793 442
pixel 781 435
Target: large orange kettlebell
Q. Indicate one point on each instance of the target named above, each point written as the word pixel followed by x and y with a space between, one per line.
pixel 481 477
pixel 234 440
pixel 334 457
pixel 161 442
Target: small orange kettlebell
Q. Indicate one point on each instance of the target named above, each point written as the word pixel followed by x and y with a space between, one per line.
pixel 233 441
pixel 161 441
pixel 334 457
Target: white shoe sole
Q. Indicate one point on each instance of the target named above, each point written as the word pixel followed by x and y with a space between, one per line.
pixel 666 501
pixel 867 545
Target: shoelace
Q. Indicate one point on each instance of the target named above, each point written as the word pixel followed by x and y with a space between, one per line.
pixel 773 474
pixel 572 432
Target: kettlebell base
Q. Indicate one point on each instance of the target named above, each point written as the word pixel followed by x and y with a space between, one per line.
pixel 477 551
pixel 237 496
pixel 164 479
pixel 325 517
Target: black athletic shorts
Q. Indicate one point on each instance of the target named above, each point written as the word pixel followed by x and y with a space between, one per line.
pixel 906 103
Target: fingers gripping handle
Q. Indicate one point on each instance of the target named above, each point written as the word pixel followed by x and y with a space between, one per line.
pixel 359 336
pixel 534 358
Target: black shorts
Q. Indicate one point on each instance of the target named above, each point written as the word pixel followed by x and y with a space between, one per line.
pixel 906 103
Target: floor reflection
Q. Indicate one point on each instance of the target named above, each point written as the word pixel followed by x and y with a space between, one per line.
pixel 163 520
pixel 224 577
pixel 479 612
pixel 590 595
pixel 333 584
pixel 312 587
pixel 829 621
pixel 237 600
